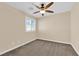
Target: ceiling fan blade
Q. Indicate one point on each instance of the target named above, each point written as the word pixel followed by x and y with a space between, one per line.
pixel 36 12
pixel 37 6
pixel 49 11
pixel 47 6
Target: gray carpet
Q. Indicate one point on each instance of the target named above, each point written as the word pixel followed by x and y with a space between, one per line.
pixel 43 48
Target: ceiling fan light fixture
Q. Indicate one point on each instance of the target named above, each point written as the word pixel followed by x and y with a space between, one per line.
pixel 42 11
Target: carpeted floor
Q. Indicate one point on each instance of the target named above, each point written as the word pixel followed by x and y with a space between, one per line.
pixel 43 48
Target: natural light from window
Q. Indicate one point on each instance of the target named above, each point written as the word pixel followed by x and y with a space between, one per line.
pixel 30 24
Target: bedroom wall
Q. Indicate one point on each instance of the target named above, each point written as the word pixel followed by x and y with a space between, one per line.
pixel 75 27
pixel 12 28
pixel 55 28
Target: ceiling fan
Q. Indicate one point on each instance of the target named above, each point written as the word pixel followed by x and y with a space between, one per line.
pixel 44 8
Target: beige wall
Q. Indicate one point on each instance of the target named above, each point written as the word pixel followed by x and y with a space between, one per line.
pixel 75 27
pixel 55 28
pixel 12 28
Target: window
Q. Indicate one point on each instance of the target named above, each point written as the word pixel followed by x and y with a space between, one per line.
pixel 30 24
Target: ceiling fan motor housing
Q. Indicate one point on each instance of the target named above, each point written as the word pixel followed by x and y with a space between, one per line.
pixel 42 5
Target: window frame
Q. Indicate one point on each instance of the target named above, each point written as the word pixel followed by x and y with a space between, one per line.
pixel 33 23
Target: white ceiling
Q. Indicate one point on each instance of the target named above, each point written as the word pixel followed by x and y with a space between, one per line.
pixel 27 7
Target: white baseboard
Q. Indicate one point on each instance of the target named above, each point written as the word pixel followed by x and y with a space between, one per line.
pixel 75 49
pixel 54 41
pixel 16 47
pixel 35 39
